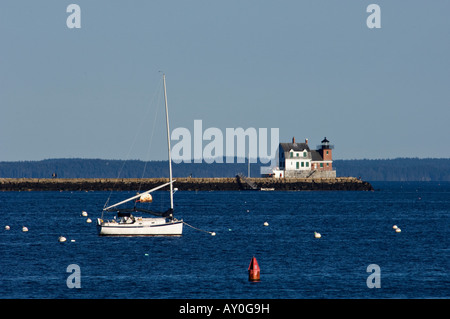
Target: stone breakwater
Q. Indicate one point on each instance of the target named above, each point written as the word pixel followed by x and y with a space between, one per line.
pixel 185 184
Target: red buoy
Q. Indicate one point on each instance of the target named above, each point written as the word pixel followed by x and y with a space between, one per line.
pixel 253 270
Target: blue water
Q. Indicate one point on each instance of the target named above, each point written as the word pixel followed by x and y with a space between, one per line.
pixel 356 229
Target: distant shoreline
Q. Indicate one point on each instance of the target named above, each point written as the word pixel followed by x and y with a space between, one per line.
pixel 399 169
pixel 184 184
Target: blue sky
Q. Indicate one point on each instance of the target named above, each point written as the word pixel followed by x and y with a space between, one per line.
pixel 310 68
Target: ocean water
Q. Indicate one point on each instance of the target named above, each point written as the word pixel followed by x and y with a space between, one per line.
pixel 356 229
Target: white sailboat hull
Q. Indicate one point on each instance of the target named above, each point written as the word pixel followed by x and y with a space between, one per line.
pixel 141 227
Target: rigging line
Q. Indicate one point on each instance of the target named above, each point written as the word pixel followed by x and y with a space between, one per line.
pixel 157 93
pixel 209 232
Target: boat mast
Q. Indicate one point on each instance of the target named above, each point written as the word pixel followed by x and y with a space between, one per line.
pixel 168 143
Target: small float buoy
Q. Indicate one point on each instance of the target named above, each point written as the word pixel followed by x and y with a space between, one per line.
pixel 24 229
pixel 72 240
pixel 253 270
pixel 88 220
pixel 395 227
pixel 84 213
pixel 213 234
pixel 62 239
pixel 398 230
pixel 266 224
pixel 7 227
pixel 317 235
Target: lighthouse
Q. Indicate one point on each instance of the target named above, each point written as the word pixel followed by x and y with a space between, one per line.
pixel 325 150
pixel 298 160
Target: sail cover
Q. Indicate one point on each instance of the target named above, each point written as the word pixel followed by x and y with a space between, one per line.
pixel 147 198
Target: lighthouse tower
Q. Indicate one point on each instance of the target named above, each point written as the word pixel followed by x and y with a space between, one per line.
pixel 325 151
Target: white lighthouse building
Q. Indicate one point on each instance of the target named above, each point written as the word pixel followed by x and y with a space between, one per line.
pixel 299 161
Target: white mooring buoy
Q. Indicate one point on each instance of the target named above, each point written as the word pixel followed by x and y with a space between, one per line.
pixel 62 239
pixel 317 235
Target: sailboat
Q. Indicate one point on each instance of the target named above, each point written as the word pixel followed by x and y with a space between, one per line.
pixel 126 222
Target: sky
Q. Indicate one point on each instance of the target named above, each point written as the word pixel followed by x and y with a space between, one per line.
pixel 312 69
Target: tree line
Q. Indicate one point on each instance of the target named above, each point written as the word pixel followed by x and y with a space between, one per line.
pixel 399 169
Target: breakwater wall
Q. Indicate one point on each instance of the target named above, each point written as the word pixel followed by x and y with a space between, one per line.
pixel 185 184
